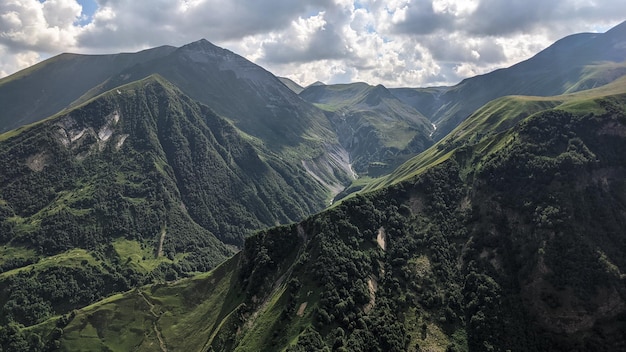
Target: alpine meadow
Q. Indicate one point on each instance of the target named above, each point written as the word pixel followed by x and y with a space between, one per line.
pixel 187 199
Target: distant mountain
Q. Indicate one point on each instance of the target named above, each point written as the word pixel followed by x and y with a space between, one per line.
pixel 43 90
pixel 295 87
pixel 507 235
pixel 377 129
pixel 573 63
pixel 254 99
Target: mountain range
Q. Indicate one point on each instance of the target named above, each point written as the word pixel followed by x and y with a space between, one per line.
pixel 142 198
pixel 577 62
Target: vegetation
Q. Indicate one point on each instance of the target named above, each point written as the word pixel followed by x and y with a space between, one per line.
pixel 505 235
pixel 376 128
pixel 517 247
pixel 485 131
pixel 139 185
pixel 574 63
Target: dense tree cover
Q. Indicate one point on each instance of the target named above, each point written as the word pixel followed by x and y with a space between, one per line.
pixel 32 298
pixel 518 249
pixel 515 246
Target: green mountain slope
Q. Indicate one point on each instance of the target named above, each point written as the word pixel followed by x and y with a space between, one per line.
pixel 256 102
pixel 254 99
pixel 483 130
pixel 146 182
pixel 564 67
pixel 512 241
pixel 377 129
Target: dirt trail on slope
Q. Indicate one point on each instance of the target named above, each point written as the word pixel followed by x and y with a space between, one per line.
pixel 154 323
pixel 160 249
pixel 372 286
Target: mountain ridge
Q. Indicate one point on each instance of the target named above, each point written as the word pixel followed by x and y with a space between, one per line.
pixel 515 246
pixel 138 184
pixel 505 234
pixel 550 72
pixel 272 113
pixel 50 74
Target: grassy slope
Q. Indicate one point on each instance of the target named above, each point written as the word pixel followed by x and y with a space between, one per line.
pixel 185 314
pixel 494 120
pixel 189 314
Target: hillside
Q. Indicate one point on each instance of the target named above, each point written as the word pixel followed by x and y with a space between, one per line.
pixel 140 183
pixel 295 87
pixel 491 120
pixel 224 80
pixel 377 129
pixel 510 241
pixel 50 86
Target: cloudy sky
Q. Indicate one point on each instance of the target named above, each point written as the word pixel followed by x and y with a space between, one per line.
pixel 395 42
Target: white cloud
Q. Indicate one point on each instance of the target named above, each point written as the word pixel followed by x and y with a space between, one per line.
pixel 31 25
pixel 61 13
pixel 395 42
pixel 12 62
pixel 29 29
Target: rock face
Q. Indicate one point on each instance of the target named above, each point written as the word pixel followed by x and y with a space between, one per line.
pixel 81 135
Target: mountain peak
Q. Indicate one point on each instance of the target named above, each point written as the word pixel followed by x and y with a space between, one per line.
pixel 203 51
pixel 376 94
pixel 316 83
pixel 380 89
pixel 202 44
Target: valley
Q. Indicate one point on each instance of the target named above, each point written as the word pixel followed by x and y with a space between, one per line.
pixel 186 199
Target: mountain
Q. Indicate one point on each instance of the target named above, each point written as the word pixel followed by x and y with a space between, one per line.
pixel 44 89
pixel 224 81
pixel 510 239
pixel 377 129
pixel 253 99
pixel 139 183
pixel 506 234
pixel 577 62
pixel 135 179
pixel 492 120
